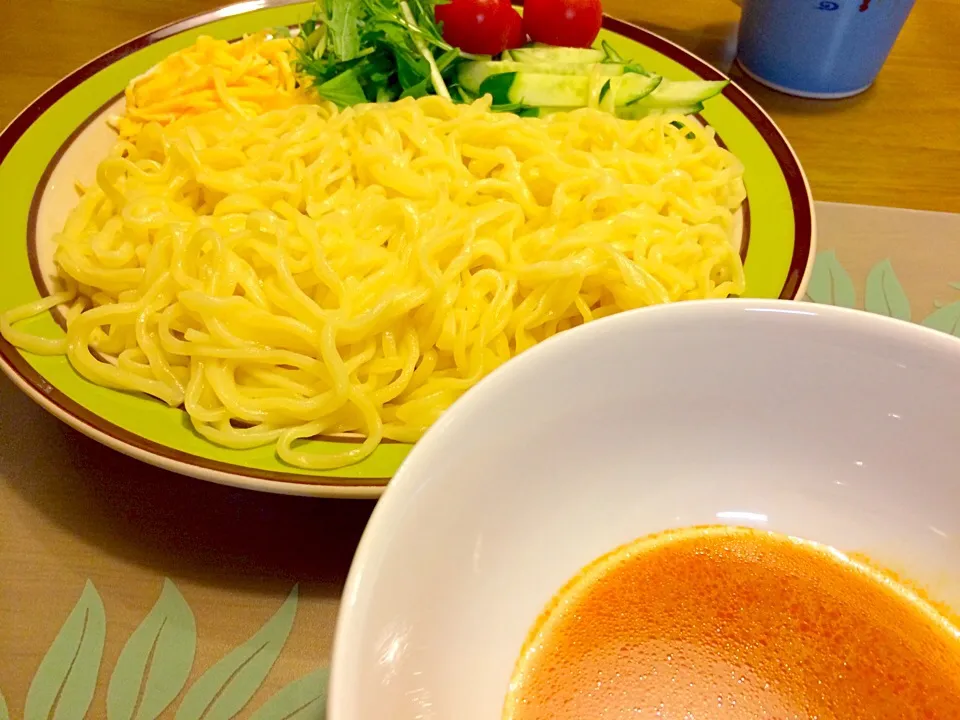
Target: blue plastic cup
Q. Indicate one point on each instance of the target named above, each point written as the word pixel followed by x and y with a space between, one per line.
pixel 818 48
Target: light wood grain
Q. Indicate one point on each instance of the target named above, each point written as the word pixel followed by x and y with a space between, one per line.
pixel 898 144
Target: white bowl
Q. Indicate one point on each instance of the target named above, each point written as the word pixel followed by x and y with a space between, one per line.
pixel 829 424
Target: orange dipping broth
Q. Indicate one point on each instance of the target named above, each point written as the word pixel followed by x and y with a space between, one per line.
pixel 721 622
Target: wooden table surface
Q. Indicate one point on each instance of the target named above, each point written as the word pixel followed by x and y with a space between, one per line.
pixel 74 514
pixel 898 144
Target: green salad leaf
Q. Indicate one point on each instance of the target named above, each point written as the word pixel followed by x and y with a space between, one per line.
pixel 343 28
pixel 344 89
pixel 365 51
pixel 357 51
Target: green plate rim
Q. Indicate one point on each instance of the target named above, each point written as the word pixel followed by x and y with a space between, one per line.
pixel 31 381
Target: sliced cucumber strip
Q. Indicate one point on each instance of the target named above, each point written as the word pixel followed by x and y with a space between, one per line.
pixel 566 91
pixel 472 74
pixel 639 110
pixel 678 94
pixel 687 110
pixel 634 88
pixel 552 55
pixel 610 55
pixel 536 89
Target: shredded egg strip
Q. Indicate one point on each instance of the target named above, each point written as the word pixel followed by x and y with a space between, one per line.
pixel 248 77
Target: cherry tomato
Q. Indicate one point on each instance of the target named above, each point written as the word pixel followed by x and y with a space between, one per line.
pixel 569 23
pixel 476 26
pixel 516 37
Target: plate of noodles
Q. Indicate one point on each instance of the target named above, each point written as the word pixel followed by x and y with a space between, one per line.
pixel 249 248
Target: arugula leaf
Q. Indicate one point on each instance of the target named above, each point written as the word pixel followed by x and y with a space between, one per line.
pixel 343 26
pixel 343 90
pixel 324 68
pixel 447 60
pixel 385 95
pixel 423 86
pixel 379 69
pixel 436 78
pixel 389 14
pixel 419 90
pixel 412 70
pixel 424 12
pixel 395 46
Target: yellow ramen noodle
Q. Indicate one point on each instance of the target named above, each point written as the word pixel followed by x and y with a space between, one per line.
pixel 247 77
pixel 309 271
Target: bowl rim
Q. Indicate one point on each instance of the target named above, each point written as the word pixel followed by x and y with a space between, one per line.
pixel 390 508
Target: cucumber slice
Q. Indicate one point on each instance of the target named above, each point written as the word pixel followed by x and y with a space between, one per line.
pixel 638 110
pixel 679 94
pixel 625 112
pixel 610 55
pixel 536 89
pixel 553 55
pixel 472 74
pixel 687 110
pixel 561 91
pixel 634 88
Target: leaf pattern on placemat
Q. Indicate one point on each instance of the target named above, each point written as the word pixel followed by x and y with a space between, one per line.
pixel 223 690
pixel 64 684
pixel 155 663
pixel 945 319
pixel 830 284
pixel 303 699
pixel 884 295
